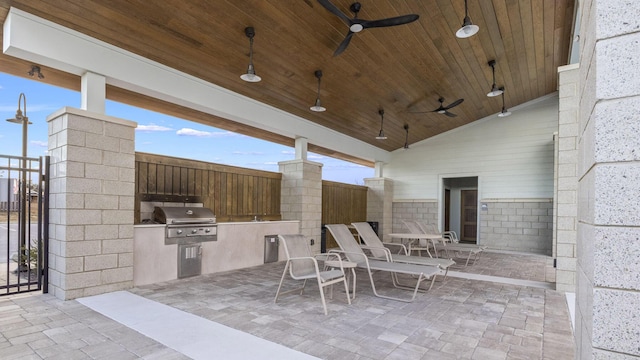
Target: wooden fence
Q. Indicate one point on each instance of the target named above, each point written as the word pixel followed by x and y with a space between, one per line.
pixel 234 193
pixel 342 204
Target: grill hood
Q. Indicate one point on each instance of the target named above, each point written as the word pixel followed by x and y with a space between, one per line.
pixel 177 215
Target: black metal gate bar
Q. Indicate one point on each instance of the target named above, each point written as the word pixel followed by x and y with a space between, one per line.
pixel 43 226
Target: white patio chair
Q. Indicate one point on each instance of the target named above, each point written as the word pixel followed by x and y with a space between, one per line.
pixel 302 265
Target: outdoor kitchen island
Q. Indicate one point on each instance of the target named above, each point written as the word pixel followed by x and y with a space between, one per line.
pixel 238 245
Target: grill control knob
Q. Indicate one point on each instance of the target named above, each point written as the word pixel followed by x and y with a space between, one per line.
pixel 207 230
pixel 194 231
pixel 179 232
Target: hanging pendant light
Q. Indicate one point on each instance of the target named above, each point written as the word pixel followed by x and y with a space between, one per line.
pixel 317 107
pixel 504 112
pixel 494 89
pixel 467 29
pixel 406 138
pixel 381 135
pixel 250 76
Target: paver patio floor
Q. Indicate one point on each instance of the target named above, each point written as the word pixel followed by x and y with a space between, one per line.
pixel 458 319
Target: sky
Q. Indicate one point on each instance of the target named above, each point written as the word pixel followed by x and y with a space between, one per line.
pixel 156 133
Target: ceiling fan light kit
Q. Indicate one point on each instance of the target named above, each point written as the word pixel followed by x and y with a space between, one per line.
pixel 317 106
pixel 381 135
pixel 467 29
pixel 250 76
pixel 495 91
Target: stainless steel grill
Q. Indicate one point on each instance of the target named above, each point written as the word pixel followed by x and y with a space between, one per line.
pixel 186 225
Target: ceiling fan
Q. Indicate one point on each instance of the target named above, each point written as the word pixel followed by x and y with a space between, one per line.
pixel 356 25
pixel 444 109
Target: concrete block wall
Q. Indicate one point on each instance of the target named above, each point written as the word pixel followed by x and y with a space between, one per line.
pixel 608 242
pixel 523 225
pixel 566 206
pixel 91 203
pixel 414 210
pixel 380 204
pixel 301 197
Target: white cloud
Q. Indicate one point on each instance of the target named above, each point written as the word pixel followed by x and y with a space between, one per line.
pixel 152 128
pixel 198 133
pixel 288 152
pixel 247 153
pixel 40 143
pixel 316 157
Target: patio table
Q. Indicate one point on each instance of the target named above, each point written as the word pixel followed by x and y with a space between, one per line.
pixel 429 237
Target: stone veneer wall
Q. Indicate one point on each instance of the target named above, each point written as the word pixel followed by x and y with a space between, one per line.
pixel 414 210
pixel 567 179
pixel 301 197
pixel 91 203
pixel 380 204
pixel 517 225
pixel 607 269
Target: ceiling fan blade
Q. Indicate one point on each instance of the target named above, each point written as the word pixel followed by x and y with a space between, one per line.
pixel 333 9
pixel 398 20
pixel 344 44
pixel 449 114
pixel 454 104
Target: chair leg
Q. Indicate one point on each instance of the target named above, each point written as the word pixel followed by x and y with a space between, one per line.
pixel 304 283
pixel 346 289
pixel 324 304
pixel 281 281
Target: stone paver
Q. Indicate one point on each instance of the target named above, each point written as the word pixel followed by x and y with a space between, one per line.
pixel 457 319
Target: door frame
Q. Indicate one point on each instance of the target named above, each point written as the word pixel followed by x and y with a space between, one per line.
pixel 441 188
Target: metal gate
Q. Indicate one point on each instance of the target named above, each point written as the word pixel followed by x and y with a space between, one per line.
pixel 24 224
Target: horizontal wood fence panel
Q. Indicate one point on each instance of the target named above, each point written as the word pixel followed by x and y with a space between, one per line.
pixel 232 193
pixel 342 204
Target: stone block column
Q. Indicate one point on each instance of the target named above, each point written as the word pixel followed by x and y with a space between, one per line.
pixel 91 198
pixel 380 204
pixel 566 206
pixel 607 269
pixel 301 197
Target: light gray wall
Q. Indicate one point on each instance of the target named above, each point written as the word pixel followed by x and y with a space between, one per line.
pixel 512 156
pixel 513 160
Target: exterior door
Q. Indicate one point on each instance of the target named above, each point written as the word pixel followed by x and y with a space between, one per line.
pixel 468 215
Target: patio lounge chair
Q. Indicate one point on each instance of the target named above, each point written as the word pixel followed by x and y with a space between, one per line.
pixel 354 253
pixel 303 266
pixel 452 248
pixel 380 250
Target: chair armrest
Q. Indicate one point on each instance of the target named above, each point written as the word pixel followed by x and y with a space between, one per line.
pixel 332 259
pixel 387 253
pixel 402 247
pixel 359 254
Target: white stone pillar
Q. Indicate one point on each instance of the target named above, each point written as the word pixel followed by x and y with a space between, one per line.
pixel 91 203
pixel 93 92
pixel 566 206
pixel 301 197
pixel 608 270
pixel 380 204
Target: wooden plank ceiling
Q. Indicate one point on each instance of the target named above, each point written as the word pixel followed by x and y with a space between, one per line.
pixel 402 69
